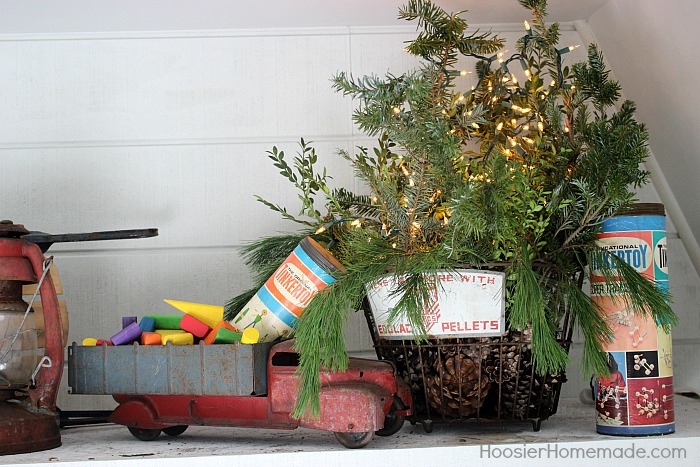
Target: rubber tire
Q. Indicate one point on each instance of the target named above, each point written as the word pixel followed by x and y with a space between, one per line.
pixel 144 434
pixel 392 425
pixel 176 430
pixel 354 440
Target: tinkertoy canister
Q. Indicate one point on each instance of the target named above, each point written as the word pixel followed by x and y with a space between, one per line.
pixel 637 398
pixel 276 307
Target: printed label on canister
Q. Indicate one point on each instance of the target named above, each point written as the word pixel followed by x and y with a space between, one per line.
pixel 276 307
pixel 465 303
pixel 637 397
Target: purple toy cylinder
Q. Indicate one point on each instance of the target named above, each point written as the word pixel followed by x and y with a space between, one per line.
pixel 127 320
pixel 127 335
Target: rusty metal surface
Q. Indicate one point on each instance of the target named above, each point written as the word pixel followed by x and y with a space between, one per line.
pixel 354 401
pixel 32 424
pixel 22 430
pixel 9 229
pixel 157 412
pixel 215 370
pixel 45 240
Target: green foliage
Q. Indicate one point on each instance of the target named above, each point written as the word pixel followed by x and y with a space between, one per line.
pixel 516 174
pixel 304 178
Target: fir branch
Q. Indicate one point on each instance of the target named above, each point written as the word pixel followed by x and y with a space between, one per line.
pixel 593 78
pixel 529 307
pixel 626 285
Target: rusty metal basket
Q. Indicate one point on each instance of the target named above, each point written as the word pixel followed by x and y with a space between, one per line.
pixel 488 378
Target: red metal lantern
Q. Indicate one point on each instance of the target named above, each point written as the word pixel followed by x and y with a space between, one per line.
pixel 28 381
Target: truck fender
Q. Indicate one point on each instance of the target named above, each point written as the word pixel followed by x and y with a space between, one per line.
pixel 136 413
pixel 351 407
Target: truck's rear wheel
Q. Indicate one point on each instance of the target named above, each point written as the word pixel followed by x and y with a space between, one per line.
pixel 354 440
pixel 144 434
pixel 392 424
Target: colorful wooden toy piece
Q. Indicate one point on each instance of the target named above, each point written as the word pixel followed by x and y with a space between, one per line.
pixel 166 321
pixel 151 338
pixel 211 338
pixel 250 336
pixel 223 336
pixel 127 335
pixel 127 320
pixel 208 314
pixel 89 342
pixel 169 332
pixel 183 338
pixel 194 326
pixel 147 324
pixel 100 342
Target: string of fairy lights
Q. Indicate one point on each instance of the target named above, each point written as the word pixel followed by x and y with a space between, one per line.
pixel 499 87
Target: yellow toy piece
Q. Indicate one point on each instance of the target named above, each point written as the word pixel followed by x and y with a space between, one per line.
pixel 184 338
pixel 211 315
pixel 169 332
pixel 250 336
pixel 89 342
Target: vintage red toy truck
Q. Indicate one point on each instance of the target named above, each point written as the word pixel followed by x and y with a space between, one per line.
pixel 167 388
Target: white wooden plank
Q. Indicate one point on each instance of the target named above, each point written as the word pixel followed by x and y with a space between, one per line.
pixel 171 88
pixel 195 195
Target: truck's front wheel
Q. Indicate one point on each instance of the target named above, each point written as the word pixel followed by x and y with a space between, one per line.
pixel 354 440
pixel 144 434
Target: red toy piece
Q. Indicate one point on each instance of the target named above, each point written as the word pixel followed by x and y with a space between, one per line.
pixel 194 326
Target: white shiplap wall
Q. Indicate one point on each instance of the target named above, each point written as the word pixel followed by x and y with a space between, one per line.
pixel 169 130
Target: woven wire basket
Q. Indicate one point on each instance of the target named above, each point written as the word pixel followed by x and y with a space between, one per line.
pixel 488 378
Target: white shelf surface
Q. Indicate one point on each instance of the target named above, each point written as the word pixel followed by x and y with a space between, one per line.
pixel 567 437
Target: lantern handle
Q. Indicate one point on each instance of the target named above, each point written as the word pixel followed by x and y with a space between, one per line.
pixel 44 363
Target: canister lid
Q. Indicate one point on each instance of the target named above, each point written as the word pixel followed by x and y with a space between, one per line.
pixel 645 209
pixel 320 255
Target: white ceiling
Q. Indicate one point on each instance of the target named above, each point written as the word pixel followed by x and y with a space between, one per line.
pixel 51 16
